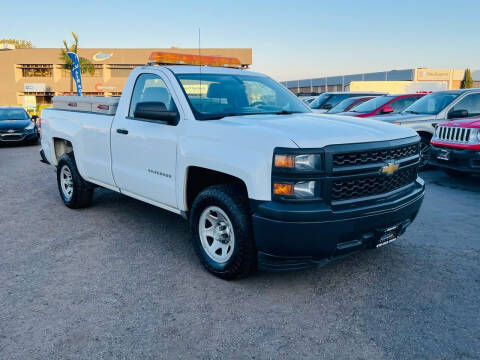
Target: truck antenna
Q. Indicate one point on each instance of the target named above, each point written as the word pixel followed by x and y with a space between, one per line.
pixel 200 65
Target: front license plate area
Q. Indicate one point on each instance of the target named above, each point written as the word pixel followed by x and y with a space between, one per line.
pixel 388 235
pixel 444 155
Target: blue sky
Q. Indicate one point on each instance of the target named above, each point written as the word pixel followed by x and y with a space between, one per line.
pixel 290 39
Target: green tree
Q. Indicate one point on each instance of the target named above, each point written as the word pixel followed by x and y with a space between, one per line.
pixel 19 44
pixel 467 82
pixel 85 65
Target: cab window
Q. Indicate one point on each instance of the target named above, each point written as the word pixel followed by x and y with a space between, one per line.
pixel 471 103
pixel 150 87
pixel 403 103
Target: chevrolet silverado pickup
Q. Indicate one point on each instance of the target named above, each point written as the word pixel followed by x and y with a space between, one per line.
pixel 263 181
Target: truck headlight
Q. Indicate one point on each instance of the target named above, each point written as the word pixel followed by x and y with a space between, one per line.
pixel 30 127
pixel 302 162
pixel 296 190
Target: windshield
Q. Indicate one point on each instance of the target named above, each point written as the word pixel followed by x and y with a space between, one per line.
pixel 431 104
pixel 331 100
pixel 214 96
pixel 343 105
pixel 371 105
pixel 13 114
pixel 317 102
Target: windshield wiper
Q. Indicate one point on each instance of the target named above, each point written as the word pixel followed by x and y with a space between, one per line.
pixel 411 112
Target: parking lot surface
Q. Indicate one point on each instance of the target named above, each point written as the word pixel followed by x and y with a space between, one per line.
pixel 120 280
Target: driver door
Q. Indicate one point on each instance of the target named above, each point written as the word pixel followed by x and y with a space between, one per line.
pixel 144 151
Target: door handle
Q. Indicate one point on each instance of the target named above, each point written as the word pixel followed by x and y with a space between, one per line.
pixel 122 131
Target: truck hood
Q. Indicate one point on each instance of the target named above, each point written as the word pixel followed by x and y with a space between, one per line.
pixel 14 124
pixel 309 130
pixel 403 117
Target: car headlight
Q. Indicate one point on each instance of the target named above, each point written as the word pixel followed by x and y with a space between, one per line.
pixel 30 127
pixel 302 162
pixel 296 174
pixel 300 190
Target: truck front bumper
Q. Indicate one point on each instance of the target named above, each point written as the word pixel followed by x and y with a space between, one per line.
pixel 458 159
pixel 297 236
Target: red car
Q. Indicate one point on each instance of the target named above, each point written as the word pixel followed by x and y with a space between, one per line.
pixel 348 104
pixel 381 105
pixel 456 147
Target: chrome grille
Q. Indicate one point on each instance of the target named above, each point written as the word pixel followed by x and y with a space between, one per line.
pixel 454 134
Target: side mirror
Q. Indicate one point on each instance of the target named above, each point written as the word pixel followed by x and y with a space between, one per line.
pixel 387 110
pixel 327 106
pixel 456 114
pixel 155 110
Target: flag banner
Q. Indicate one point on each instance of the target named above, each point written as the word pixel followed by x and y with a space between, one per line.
pixel 76 72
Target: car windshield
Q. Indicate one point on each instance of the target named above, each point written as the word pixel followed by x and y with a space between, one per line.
pixel 372 104
pixel 319 100
pixel 343 105
pixel 214 96
pixel 332 100
pixel 13 114
pixel 431 104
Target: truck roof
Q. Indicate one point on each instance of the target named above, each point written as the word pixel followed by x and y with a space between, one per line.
pixel 192 69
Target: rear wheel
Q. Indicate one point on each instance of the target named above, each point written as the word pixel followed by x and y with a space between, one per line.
pixel 74 190
pixel 222 233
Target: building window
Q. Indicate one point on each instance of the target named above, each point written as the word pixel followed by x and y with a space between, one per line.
pixel 122 70
pixel 40 70
pixel 98 72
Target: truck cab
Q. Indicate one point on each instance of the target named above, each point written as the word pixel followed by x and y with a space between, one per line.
pixel 263 181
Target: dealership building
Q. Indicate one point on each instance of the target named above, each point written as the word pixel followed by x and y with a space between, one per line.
pixel 394 81
pixel 31 77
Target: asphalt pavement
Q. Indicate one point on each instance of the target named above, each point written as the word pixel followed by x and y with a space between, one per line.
pixel 120 280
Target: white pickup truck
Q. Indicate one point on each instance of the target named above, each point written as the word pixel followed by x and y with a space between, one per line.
pixel 264 182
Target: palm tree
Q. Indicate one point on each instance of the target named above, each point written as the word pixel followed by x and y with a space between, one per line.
pixel 85 65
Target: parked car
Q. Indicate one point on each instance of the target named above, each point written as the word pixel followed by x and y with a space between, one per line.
pixel 16 126
pixel 348 104
pixel 456 147
pixel 381 105
pixel 261 180
pixel 439 107
pixel 328 100
pixel 307 99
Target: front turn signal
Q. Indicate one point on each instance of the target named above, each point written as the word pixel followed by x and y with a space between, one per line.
pixel 283 189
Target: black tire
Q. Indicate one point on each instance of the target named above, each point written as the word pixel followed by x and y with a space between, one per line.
pixel 82 192
pixel 456 174
pixel 425 152
pixel 230 198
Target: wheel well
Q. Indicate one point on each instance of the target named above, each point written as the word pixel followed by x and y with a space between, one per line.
pixel 200 178
pixel 61 147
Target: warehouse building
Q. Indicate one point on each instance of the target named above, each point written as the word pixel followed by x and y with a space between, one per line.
pixel 31 77
pixel 394 81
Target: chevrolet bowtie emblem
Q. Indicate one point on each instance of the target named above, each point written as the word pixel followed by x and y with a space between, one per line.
pixel 389 169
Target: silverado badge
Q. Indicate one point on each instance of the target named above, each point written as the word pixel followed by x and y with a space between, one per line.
pixel 389 169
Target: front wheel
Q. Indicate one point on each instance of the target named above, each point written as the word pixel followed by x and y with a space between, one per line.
pixel 222 232
pixel 74 191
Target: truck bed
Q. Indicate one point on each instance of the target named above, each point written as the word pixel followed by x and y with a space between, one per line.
pixel 93 104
